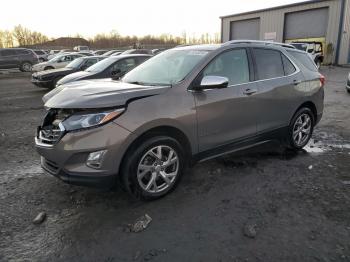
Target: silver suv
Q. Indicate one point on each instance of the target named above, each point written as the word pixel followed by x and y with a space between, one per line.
pixel 185 105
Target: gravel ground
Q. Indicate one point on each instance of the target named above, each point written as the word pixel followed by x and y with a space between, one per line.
pixel 258 205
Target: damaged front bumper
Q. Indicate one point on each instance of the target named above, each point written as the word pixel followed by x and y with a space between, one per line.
pixel 66 158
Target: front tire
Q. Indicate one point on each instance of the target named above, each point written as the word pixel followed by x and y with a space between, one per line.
pixel 301 128
pixel 153 168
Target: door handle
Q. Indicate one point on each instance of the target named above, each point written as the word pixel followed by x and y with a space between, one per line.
pixel 249 91
pixel 296 82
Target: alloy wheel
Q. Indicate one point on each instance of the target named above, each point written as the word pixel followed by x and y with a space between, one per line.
pixel 158 169
pixel 27 67
pixel 302 129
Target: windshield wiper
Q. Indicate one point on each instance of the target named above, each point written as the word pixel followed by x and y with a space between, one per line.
pixel 137 83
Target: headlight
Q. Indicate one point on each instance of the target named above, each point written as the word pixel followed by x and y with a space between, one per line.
pixel 84 120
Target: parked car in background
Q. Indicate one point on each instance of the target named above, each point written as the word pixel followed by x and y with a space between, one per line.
pixel 20 58
pixel 42 55
pixel 315 50
pixel 85 53
pixel 348 84
pixel 179 107
pixel 138 51
pixel 81 48
pixel 49 78
pixel 99 52
pixel 58 61
pixel 111 52
pixel 113 66
pixel 116 53
pixel 58 52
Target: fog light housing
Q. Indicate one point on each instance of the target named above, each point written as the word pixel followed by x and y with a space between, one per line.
pixel 95 159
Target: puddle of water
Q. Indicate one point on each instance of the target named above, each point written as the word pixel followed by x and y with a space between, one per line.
pixel 323 146
pixel 312 149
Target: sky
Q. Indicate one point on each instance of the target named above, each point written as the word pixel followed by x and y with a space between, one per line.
pixel 154 17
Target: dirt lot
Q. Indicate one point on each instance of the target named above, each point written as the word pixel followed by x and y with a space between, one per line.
pixel 260 205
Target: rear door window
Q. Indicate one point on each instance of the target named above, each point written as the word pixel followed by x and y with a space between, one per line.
pixel 268 63
pixel 231 64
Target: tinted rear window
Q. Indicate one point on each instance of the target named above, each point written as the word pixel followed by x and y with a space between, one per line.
pixel 288 66
pixel 269 63
pixel 304 59
pixel 8 52
pixel 38 52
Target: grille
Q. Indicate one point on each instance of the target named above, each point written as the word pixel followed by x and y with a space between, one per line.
pixel 50 134
pixel 52 129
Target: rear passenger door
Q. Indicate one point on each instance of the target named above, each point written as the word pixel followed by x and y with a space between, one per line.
pixel 280 85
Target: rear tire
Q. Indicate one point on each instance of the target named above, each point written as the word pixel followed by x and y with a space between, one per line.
pixel 26 67
pixel 300 129
pixel 153 168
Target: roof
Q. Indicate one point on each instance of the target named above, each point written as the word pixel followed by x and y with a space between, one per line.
pixel 118 57
pixel 94 56
pixel 199 47
pixel 274 8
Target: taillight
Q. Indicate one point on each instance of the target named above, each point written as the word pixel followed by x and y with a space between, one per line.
pixel 322 80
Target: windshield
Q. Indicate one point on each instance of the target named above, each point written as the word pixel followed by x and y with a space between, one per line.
pixel 100 66
pixel 75 63
pixel 167 68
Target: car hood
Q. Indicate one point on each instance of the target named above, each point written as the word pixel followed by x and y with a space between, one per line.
pixel 74 77
pixel 64 70
pixel 98 94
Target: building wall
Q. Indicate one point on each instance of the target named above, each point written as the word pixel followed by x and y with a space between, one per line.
pixel 344 52
pixel 273 21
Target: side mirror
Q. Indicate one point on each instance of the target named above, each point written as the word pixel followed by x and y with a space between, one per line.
pixel 213 82
pixel 310 51
pixel 83 67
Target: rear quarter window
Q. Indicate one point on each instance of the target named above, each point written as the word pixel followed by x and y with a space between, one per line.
pixel 304 59
pixel 288 66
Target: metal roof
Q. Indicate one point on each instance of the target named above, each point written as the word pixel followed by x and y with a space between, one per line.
pixel 274 8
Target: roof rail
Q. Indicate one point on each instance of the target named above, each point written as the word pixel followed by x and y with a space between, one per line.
pixel 258 42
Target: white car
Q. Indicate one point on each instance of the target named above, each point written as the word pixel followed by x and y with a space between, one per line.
pixel 59 61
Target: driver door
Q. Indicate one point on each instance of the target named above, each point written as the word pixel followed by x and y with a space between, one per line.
pixel 228 114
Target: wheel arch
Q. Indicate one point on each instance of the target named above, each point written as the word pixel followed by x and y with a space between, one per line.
pixel 164 130
pixel 311 106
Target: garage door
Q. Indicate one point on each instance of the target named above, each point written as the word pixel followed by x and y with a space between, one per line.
pixel 306 24
pixel 245 29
